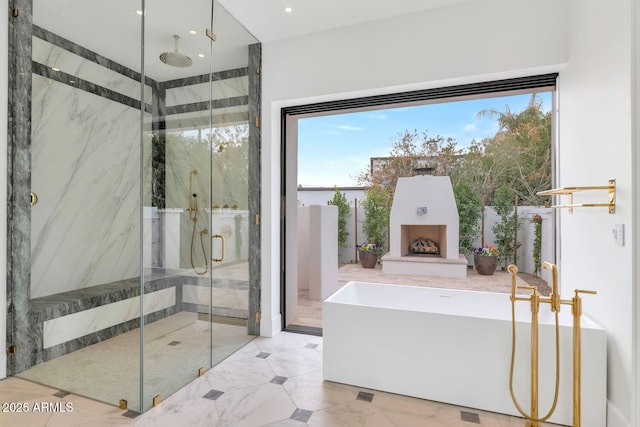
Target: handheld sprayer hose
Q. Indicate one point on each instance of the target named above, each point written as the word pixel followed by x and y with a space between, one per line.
pixel 513 353
pixel 193 235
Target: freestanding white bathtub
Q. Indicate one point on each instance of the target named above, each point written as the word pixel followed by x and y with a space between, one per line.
pixel 455 347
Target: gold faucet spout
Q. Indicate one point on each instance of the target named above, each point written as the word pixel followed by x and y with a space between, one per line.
pixel 555 294
pixel 514 278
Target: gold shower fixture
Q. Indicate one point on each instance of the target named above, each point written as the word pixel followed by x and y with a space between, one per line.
pixel 193 216
pixel 554 300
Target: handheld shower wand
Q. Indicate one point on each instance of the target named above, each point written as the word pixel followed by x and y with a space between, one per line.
pixel 193 216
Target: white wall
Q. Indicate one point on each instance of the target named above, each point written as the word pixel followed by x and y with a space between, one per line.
pixel 636 206
pixel 347 254
pixel 464 43
pixel 595 144
pixel 4 82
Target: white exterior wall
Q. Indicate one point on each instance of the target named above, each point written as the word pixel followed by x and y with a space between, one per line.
pixel 347 254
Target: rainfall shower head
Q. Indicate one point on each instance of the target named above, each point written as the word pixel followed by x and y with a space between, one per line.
pixel 176 59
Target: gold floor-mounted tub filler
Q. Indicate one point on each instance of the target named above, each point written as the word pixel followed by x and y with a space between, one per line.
pixel 535 299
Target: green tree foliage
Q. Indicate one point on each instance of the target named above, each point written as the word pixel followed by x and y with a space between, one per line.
pixel 523 147
pixel 518 155
pixel 410 150
pixel 469 211
pixel 344 211
pixel 220 156
pixel 537 242
pixel 505 230
pixel 376 216
pixel 517 158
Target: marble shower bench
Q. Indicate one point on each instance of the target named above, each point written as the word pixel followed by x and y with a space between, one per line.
pixel 65 322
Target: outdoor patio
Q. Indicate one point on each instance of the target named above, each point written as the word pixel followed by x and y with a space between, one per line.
pixel 310 311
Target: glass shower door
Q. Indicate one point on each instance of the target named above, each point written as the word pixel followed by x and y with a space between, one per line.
pixel 132 277
pixel 195 169
pixel 83 272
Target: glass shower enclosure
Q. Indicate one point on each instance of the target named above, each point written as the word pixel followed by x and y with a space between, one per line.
pixel 135 136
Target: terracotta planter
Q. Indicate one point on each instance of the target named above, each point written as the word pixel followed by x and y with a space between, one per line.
pixel 368 259
pixel 485 265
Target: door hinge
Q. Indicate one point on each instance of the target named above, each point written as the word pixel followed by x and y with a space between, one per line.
pixel 15 12
pixel 258 316
pixel 211 34
pixel 257 219
pixel 13 349
pixel 258 70
pixel 257 122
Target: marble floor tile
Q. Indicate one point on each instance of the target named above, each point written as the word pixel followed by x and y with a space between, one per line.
pixel 255 406
pixel 240 392
pixel 110 370
pixel 295 362
pixel 356 413
pixel 282 342
pixel 310 391
pixel 240 373
pixel 190 413
pixel 286 423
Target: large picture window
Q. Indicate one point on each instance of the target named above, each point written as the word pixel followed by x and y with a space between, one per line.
pixel 494 140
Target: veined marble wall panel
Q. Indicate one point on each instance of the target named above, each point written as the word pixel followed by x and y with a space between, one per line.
pixel 85 157
pixel 201 119
pixel 227 88
pixel 62 329
pixel 53 56
pixel 222 297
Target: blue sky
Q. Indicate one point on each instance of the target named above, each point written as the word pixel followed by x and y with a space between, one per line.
pixel 333 150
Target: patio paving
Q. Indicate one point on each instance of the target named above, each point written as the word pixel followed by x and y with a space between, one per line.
pixel 310 311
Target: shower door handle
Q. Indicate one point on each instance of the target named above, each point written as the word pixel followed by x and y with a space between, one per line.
pixel 218 236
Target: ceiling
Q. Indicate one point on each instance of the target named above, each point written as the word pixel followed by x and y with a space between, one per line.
pixel 113 29
pixel 268 21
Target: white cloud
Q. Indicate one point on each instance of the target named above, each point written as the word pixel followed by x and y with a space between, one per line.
pixel 347 127
pixel 471 127
pixel 377 116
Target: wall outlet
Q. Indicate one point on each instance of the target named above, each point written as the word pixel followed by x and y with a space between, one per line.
pixel 618 234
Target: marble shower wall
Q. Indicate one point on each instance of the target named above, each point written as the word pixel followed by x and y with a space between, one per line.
pixel 85 171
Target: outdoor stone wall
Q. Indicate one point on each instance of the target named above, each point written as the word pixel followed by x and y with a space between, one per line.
pixel 525 235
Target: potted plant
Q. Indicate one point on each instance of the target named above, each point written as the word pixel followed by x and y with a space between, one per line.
pixel 368 254
pixel 376 217
pixel 486 260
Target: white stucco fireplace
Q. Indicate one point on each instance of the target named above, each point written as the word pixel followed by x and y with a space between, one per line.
pixel 424 229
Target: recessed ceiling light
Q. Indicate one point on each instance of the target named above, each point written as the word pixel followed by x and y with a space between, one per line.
pixel 201 55
pixel 139 12
pixel 193 32
pixel 288 9
pixel 55 69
